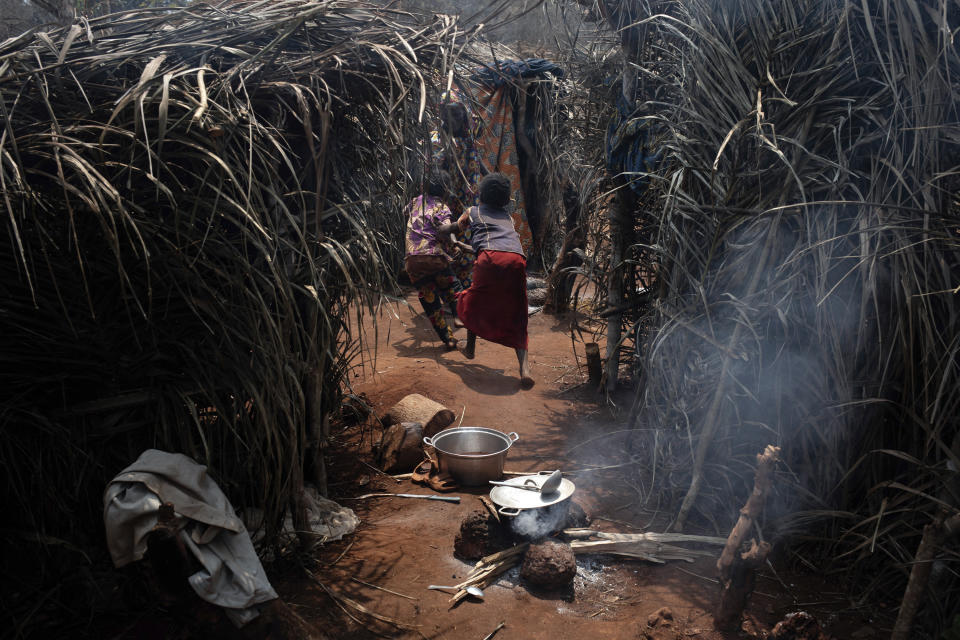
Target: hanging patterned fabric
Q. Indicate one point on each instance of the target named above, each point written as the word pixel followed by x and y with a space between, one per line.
pixel 498 148
pixel 498 140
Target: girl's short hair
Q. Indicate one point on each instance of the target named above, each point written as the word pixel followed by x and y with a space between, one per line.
pixel 495 190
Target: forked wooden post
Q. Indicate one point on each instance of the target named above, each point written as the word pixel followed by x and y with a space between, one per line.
pixel 934 535
pixel 737 570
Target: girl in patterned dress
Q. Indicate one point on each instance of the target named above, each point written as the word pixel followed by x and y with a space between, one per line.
pixel 427 261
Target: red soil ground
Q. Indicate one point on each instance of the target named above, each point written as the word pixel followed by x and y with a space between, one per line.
pixel 403 545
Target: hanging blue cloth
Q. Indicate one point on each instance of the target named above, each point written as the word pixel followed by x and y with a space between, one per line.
pixel 496 76
pixel 631 145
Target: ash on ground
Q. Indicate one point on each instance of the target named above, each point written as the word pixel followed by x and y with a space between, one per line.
pixel 591 575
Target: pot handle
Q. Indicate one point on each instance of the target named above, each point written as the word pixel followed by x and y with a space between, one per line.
pixel 508 511
pixel 428 441
pixel 513 436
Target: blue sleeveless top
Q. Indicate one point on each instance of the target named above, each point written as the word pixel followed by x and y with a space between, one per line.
pixel 492 229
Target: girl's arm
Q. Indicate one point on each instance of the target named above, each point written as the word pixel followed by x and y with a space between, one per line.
pixel 459 225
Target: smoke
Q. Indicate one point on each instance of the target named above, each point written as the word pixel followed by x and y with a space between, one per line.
pixel 783 323
pixel 533 524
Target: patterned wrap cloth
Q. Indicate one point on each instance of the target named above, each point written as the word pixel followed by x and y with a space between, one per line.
pixel 425 215
pixel 498 149
pixel 428 264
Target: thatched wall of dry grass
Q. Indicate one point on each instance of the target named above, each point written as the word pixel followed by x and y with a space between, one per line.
pixel 804 234
pixel 194 200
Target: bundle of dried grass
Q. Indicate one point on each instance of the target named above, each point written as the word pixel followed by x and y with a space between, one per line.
pixel 807 258
pixel 195 199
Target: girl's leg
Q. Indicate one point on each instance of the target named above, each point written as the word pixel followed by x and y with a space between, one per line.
pixel 526 380
pixel 463 266
pixel 432 303
pixel 471 349
pixel 448 285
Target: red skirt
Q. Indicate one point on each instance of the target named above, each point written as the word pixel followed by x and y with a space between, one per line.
pixel 495 305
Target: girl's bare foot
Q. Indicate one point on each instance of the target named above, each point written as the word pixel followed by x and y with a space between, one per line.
pixel 526 380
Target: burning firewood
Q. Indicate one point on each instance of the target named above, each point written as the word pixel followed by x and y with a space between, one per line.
pixel 488 568
pixel 654 547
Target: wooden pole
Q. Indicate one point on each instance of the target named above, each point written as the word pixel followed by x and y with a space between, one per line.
pixel 934 535
pixel 561 279
pixel 736 570
pixel 621 237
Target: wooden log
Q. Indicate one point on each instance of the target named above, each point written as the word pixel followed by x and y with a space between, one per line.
pixel 401 448
pixel 417 408
pixel 737 570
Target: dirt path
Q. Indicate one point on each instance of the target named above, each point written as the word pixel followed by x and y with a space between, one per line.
pixel 404 545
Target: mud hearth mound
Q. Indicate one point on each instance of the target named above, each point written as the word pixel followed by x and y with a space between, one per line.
pixel 549 564
pixel 480 535
pixel 576 517
pixel 798 626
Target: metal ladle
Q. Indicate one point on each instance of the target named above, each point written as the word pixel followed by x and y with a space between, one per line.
pixel 550 485
pixel 472 590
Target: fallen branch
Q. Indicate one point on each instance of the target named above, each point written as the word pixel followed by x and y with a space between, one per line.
pixel 650 551
pixel 407 476
pixel 651 537
pixel 652 547
pixel 490 507
pixel 384 589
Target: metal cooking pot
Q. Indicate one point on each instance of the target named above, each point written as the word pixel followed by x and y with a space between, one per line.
pixel 472 455
pixel 532 515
